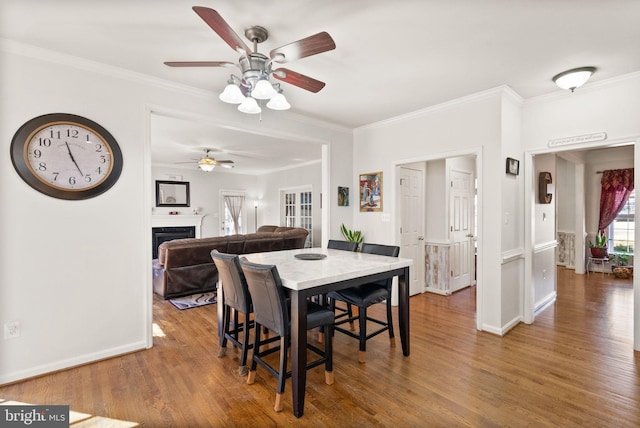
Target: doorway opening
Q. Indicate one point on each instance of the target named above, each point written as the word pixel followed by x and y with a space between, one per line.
pixel 439 202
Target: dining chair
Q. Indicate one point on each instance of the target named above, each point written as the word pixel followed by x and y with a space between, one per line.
pixel 270 310
pixel 364 296
pixel 345 246
pixel 238 299
pixel 342 245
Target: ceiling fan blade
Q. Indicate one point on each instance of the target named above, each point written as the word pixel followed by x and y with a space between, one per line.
pixel 224 163
pixel 199 64
pixel 297 79
pixel 308 46
pixel 220 26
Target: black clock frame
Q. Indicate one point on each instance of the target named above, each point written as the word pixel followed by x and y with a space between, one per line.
pixel 18 153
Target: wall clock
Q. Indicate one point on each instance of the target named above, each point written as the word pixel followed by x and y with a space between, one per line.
pixel 66 156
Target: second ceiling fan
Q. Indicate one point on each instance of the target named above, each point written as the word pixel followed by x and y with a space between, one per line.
pixel 257 68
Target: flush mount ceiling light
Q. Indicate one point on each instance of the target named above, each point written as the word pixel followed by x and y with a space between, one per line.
pixel 255 81
pixel 574 78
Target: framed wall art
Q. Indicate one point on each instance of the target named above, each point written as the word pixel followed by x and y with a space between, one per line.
pixel 172 193
pixel 343 196
pixel 513 166
pixel 371 192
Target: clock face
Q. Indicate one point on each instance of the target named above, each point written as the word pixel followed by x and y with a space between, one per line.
pixel 66 156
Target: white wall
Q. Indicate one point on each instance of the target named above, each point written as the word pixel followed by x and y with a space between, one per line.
pixel 435 194
pixel 76 274
pixel 565 190
pixel 611 106
pixel 452 129
pixel 268 190
pixel 544 260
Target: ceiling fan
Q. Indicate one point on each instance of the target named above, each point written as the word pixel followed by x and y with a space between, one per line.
pixel 207 163
pixel 257 68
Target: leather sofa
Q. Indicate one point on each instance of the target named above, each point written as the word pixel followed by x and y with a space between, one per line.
pixel 185 266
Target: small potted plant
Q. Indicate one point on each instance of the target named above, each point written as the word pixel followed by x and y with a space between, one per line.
pixel 599 248
pixel 620 265
pixel 351 235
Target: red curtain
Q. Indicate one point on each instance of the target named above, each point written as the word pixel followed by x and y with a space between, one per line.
pixel 617 185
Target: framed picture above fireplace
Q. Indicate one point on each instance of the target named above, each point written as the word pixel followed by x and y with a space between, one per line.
pixel 172 193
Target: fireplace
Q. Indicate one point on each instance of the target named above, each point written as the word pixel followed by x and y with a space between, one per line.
pixel 162 234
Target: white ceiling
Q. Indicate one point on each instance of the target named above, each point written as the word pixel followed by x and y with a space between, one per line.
pixel 392 57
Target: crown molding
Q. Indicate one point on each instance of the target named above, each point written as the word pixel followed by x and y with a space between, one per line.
pixel 467 99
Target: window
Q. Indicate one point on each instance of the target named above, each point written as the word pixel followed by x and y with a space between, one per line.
pixel 232 207
pixel 622 230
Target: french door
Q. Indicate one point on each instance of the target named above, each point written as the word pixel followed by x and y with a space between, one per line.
pixel 297 210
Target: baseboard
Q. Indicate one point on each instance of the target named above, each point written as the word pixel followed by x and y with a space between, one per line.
pixel 437 291
pixel 544 303
pixel 501 331
pixel 6 378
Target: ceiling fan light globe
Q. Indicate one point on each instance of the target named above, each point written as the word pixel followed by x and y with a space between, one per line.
pixel 232 94
pixel 250 106
pixel 278 102
pixel 206 164
pixel 263 90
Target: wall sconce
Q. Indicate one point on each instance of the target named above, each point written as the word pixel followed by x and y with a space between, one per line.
pixel 545 188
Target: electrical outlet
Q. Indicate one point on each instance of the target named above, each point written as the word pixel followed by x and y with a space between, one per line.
pixel 12 330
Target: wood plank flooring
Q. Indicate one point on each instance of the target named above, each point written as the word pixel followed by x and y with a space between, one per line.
pixel 574 366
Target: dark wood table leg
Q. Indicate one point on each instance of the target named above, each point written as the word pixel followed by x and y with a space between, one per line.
pixel 403 309
pixel 298 350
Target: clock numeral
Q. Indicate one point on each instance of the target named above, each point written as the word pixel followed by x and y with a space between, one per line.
pixel 99 148
pixel 87 178
pixel 44 142
pixel 42 166
pixel 72 180
pixel 55 176
pixel 73 133
pixel 37 154
pixel 55 134
pixel 99 170
pixel 103 159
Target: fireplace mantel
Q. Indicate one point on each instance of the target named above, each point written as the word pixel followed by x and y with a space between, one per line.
pixel 178 220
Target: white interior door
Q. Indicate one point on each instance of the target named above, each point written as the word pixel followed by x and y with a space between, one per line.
pixel 461 231
pixel 411 227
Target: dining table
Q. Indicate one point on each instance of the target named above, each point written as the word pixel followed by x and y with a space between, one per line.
pixel 317 271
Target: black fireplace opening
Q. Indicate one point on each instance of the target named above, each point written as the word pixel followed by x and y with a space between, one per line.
pixel 162 234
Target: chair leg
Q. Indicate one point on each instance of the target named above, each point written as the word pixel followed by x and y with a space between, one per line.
pixel 235 324
pixel 242 370
pixel 281 373
pixel 225 328
pixel 278 404
pixel 362 319
pixel 251 377
pixel 352 326
pixel 392 339
pixel 328 353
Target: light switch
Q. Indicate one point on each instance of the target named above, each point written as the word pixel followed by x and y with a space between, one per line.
pixel 506 218
pixel 386 217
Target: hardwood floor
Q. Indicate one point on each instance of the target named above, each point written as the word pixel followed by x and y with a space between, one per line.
pixel 574 366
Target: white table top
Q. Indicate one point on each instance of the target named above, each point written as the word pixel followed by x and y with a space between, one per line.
pixel 339 265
